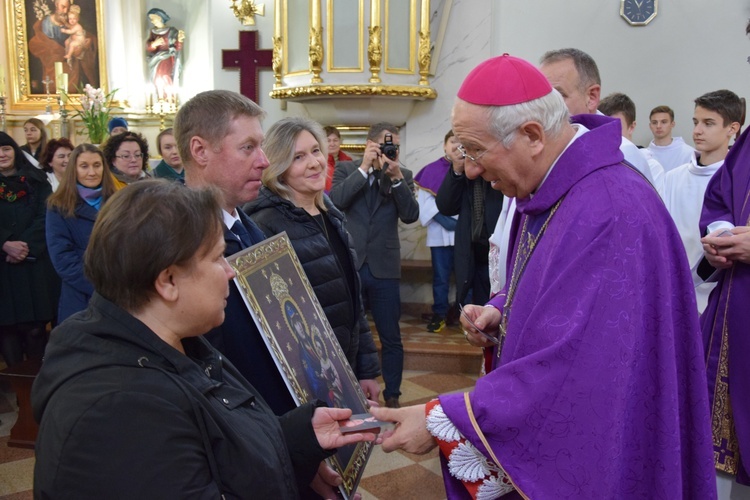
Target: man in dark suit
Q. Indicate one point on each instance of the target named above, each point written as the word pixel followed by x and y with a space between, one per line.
pixel 374 193
pixel 478 206
pixel 219 138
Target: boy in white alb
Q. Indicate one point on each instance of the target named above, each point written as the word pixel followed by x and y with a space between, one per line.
pixel 715 121
pixel 441 229
pixel 670 151
pixel 618 105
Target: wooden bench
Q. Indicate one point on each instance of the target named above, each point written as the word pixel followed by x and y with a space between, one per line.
pixel 21 377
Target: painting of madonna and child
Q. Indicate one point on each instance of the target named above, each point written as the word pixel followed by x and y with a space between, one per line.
pixel 301 341
pixel 61 31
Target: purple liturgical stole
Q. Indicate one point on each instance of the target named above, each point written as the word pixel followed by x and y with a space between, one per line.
pixel 599 391
pixel 726 318
pixel 431 176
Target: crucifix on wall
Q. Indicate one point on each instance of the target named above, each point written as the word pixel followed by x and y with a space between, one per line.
pixel 249 59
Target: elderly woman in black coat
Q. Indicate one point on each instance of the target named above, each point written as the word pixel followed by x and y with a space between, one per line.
pixel 29 286
pixel 133 402
pixel 292 200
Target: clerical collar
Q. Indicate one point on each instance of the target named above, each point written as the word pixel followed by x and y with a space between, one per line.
pixel 580 130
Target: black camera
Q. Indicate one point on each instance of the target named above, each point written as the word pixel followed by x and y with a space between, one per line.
pixel 389 149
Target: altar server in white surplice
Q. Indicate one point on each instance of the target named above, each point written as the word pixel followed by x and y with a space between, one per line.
pixel 716 121
pixel 671 152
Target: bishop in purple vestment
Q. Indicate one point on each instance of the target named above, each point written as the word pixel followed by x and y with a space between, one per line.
pixel 726 320
pixel 597 388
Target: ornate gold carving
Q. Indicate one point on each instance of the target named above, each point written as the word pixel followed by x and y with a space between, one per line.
pixel 277 60
pixel 375 53
pixel 411 91
pixel 316 54
pixel 247 10
pixel 424 57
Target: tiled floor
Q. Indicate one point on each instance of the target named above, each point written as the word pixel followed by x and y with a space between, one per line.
pixel 391 476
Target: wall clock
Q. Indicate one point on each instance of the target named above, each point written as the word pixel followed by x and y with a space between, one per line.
pixel 638 12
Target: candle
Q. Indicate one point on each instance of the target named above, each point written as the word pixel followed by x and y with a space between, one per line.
pixel 58 72
pixel 63 87
pixel 2 81
pixel 374 13
pixel 425 16
pixel 277 18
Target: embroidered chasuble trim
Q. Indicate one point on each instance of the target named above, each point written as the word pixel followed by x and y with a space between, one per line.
pixel 724 434
pixel 526 245
pixel 726 445
pixel 479 432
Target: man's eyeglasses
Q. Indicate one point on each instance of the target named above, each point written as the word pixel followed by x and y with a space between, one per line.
pixel 136 156
pixel 462 150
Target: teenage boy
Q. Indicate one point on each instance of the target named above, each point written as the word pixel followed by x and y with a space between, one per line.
pixel 618 105
pixel 670 151
pixel 715 121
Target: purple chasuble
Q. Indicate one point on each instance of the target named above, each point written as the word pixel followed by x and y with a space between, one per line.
pixel 726 318
pixel 431 176
pixel 599 391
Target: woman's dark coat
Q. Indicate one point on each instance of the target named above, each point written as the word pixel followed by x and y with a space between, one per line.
pixel 125 415
pixel 273 215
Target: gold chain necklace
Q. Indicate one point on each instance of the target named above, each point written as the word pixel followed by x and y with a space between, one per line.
pixel 526 247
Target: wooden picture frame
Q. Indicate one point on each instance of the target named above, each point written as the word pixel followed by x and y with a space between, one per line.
pixel 36 42
pixel 296 331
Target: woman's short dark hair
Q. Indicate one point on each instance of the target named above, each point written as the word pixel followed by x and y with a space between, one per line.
pixel 115 141
pixel 48 154
pixel 142 230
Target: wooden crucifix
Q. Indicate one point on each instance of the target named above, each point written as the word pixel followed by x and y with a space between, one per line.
pixel 249 59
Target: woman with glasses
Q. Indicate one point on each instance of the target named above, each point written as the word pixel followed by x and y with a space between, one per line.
pixel 71 213
pixel 292 200
pixel 55 159
pixel 127 156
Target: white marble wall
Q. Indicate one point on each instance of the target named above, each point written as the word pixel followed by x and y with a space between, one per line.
pixel 466 44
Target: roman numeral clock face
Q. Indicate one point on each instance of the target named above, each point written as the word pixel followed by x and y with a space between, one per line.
pixel 638 12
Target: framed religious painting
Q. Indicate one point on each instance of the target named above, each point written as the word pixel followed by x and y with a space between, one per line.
pixel 41 33
pixel 296 332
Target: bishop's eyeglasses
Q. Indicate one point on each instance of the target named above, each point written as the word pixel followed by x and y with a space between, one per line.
pixel 477 156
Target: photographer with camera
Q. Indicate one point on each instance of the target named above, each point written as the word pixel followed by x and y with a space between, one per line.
pixel 374 193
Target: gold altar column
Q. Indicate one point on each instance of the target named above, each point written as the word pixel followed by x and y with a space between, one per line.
pixel 278 56
pixel 423 55
pixel 316 42
pixel 375 45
